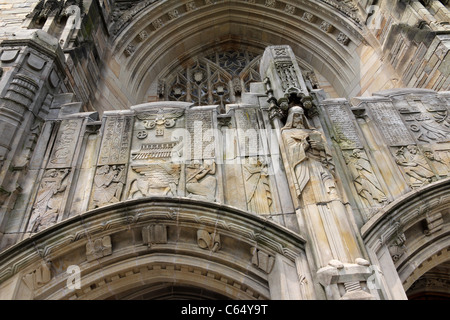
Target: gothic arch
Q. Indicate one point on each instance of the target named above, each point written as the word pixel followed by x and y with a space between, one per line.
pixel 140 247
pixel 411 236
pixel 162 35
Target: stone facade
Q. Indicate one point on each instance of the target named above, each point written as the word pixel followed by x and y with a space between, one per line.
pixel 177 145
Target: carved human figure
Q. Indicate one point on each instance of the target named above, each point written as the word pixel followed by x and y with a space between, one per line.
pixel 365 181
pixel 46 207
pixel 201 182
pixel 440 161
pixel 306 153
pixel 415 166
pixel 257 188
pixel 108 185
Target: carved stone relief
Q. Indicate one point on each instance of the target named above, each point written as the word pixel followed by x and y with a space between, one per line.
pixel 208 240
pixel 155 179
pixel 66 141
pixel 364 179
pixel 414 165
pixel 115 146
pixel 397 248
pixel 428 121
pixel 201 181
pixel 39 277
pixel 257 187
pixel 98 248
pixel 109 182
pixel 439 161
pixel 46 208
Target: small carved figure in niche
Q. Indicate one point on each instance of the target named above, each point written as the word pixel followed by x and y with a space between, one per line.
pixel 308 157
pixel 365 181
pixel 415 166
pixel 108 185
pixel 46 208
pixel 257 187
pixel 200 181
pixel 440 161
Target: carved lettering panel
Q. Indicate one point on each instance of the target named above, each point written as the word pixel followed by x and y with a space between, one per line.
pixel 344 128
pixel 65 144
pixel 389 123
pixel 115 147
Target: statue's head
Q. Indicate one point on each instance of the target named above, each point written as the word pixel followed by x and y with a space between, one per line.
pixel 296 119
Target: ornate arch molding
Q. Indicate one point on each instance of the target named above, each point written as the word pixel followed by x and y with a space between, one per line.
pixel 411 236
pixel 169 32
pixel 145 242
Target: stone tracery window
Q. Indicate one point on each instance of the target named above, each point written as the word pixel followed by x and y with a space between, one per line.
pixel 215 78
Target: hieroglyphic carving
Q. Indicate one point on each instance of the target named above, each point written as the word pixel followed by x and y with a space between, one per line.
pixel 200 181
pixel 364 179
pixel 109 181
pixel 414 165
pixel 208 240
pixel 344 128
pixel 248 133
pixel 390 124
pixel 257 187
pixel 65 144
pixel 46 208
pixel 98 248
pixel 115 146
pixel 199 127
